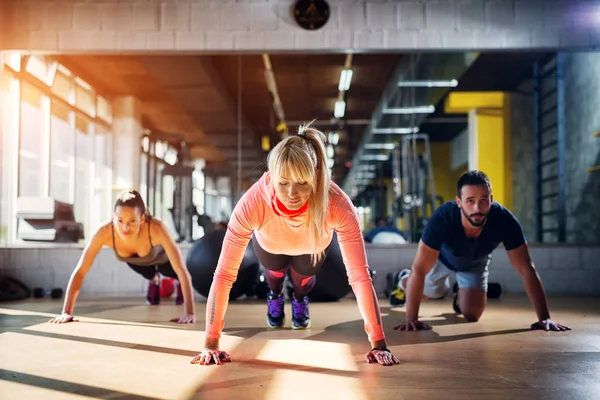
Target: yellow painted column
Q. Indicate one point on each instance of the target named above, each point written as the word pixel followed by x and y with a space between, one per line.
pixel 489 137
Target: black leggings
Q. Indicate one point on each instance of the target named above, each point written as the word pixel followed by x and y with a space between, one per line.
pixel 150 271
pixel 275 266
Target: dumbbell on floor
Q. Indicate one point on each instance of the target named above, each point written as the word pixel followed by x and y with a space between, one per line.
pixel 55 293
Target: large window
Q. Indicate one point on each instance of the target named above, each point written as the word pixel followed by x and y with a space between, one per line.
pixel 56 141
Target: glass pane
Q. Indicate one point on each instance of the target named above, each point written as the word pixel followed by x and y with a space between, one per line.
pixel 84 98
pixel 41 69
pixel 84 157
pixel 62 151
pixel 62 85
pixel 31 140
pixel 13 61
pixel 104 110
pixel 101 202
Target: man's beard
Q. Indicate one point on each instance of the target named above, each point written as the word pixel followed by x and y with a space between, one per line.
pixel 475 224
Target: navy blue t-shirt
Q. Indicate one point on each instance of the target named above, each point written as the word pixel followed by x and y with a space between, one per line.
pixel 444 232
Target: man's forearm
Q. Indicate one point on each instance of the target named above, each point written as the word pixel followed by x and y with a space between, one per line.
pixel 535 291
pixel 414 293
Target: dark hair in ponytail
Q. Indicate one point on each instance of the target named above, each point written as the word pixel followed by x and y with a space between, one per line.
pixel 132 198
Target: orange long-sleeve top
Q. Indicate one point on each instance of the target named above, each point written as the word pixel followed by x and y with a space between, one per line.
pixel 278 233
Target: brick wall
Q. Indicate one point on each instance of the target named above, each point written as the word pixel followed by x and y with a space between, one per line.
pixel 225 25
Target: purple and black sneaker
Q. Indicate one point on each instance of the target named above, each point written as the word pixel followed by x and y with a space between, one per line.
pixel 275 313
pixel 300 317
pixel 153 295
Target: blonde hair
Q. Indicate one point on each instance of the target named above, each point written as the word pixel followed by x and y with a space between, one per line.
pixel 303 158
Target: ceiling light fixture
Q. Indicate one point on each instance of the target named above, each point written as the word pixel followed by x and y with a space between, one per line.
pixel 340 109
pixel 410 110
pixel 380 146
pixel 395 131
pixel 450 83
pixel 345 79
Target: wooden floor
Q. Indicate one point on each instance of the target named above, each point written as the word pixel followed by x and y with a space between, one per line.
pixel 123 349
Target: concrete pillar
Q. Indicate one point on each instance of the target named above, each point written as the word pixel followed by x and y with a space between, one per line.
pixel 488 137
pixel 127 135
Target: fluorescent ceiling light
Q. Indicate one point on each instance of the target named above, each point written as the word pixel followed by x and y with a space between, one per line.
pixel 380 146
pixel 410 110
pixel 345 79
pixel 395 131
pixel 333 138
pixel 450 83
pixel 330 151
pixel 340 109
pixel 374 157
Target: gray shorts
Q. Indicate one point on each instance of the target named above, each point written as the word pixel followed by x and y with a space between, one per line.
pixel 437 283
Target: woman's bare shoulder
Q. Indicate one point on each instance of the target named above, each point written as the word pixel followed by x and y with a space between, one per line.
pixel 104 233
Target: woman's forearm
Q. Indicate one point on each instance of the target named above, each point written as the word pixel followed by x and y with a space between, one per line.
pixel 188 292
pixel 73 289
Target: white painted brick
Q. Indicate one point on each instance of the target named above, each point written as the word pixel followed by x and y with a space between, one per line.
pixel 381 16
pixel 545 38
pixel 589 257
pixel 43 40
pixel 160 40
pixel 263 18
pixel 458 40
pixel 310 40
pixel 219 41
pixel 471 16
pixel 429 39
pixel 145 16
pixel 116 17
pixel 25 15
pixel 396 39
pixel 351 16
pixel 189 40
pixel 205 17
pixel 279 40
pixel 369 40
pixel 517 39
pixel 175 16
pixel 69 41
pixel 58 17
pixel 285 18
pixel 410 15
pixel 249 40
pixel 488 40
pixel 501 15
pixel 528 14
pixel 86 17
pixel 131 41
pixel 440 16
pixel 575 38
pixel 558 15
pixel 338 39
pixel 235 16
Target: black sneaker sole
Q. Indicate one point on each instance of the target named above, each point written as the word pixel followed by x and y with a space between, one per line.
pixel 275 326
